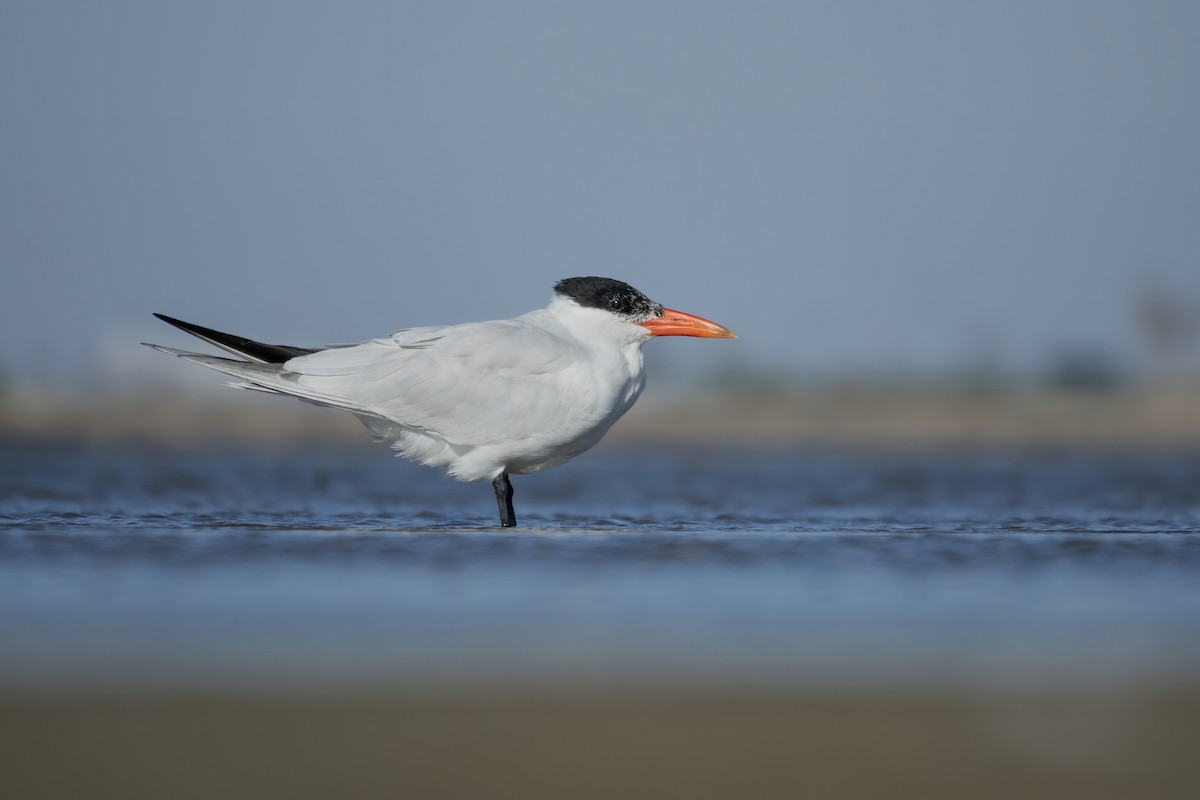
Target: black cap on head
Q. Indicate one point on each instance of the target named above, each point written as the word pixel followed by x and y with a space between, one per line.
pixel 610 295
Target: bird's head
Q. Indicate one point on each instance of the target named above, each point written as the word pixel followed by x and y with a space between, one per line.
pixel 630 306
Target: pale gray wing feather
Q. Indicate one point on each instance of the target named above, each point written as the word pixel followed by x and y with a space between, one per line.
pixel 463 383
pixel 262 378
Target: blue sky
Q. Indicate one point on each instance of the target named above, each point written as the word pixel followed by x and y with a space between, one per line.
pixel 849 186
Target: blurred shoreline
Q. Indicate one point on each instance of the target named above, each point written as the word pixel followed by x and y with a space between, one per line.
pixel 867 418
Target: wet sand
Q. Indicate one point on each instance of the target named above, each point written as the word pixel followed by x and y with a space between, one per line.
pixel 601 745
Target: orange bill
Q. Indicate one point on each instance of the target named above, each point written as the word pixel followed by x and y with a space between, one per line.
pixel 679 323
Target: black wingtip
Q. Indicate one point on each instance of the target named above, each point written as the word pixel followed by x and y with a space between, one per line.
pixel 195 330
pixel 259 351
pixel 178 323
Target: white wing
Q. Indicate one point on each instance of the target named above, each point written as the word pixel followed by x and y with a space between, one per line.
pixel 470 385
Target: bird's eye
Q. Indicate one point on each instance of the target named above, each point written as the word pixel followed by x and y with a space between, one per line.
pixel 616 303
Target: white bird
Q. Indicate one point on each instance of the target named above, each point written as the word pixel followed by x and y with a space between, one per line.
pixel 483 399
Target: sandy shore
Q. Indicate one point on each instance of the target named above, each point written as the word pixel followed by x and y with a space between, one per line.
pixel 827 417
pixel 600 745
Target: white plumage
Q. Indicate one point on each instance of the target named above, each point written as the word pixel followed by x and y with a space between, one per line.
pixel 482 399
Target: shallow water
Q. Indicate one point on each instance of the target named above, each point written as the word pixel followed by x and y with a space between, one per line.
pixel 207 567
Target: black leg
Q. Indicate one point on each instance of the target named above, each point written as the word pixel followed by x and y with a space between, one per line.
pixel 503 487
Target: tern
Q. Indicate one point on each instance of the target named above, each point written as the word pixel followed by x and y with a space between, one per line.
pixel 483 400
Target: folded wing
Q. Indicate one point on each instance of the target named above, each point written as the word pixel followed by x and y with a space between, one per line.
pixel 470 385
